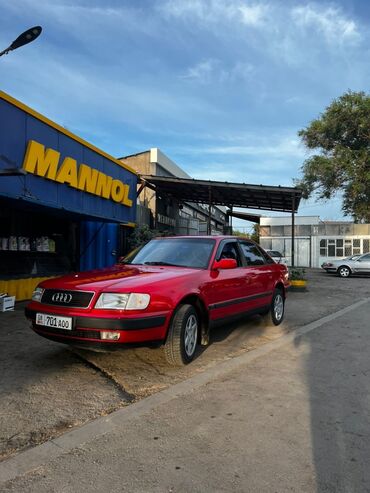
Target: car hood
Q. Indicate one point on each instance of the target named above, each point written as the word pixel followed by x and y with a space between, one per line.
pixel 119 277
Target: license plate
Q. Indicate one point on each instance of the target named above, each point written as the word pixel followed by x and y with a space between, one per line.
pixel 54 321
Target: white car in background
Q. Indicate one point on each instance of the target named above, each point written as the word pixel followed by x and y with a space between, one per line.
pixel 356 264
pixel 277 257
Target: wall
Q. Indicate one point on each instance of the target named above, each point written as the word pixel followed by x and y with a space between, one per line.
pixel 310 233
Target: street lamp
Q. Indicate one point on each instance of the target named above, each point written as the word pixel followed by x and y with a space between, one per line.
pixel 23 39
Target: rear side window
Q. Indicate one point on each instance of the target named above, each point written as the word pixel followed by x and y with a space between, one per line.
pixel 252 254
pixel 274 253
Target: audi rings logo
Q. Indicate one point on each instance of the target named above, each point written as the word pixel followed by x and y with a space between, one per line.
pixel 62 297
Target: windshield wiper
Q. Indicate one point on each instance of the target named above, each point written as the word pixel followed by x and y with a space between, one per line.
pixel 162 263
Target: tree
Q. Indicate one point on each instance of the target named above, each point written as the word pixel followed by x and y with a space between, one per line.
pixel 342 135
pixel 141 235
pixel 255 235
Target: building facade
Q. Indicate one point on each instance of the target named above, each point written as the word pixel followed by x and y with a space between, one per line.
pixel 316 241
pixel 165 213
pixel 65 205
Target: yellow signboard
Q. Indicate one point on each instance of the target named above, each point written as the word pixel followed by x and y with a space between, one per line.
pixel 44 162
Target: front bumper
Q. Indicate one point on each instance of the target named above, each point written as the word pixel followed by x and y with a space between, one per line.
pixel 86 330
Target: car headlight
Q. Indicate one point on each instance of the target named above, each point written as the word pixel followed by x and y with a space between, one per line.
pixel 37 294
pixel 123 301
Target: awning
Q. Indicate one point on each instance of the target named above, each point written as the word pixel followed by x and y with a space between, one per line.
pixel 264 197
pixel 246 216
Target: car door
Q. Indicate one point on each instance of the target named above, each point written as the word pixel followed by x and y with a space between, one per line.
pixel 362 264
pixel 225 289
pixel 258 275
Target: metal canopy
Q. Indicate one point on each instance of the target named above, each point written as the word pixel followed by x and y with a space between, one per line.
pixel 283 199
pixel 246 216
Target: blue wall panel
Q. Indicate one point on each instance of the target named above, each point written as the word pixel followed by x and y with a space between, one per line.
pixel 99 244
pixel 17 127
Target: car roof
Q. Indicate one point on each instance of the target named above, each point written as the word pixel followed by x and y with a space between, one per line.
pixel 204 237
pixel 208 237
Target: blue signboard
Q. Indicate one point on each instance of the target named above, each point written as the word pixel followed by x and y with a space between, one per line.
pixel 61 170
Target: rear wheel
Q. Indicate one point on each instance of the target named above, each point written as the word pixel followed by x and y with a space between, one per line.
pixel 344 271
pixel 275 314
pixel 182 336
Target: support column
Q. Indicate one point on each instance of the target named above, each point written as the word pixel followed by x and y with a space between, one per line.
pixel 209 226
pixel 293 228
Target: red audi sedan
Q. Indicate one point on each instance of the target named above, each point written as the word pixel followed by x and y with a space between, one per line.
pixel 169 292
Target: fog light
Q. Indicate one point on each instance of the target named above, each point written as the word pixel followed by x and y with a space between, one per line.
pixel 110 336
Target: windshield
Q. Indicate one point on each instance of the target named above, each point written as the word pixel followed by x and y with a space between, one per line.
pixel 179 252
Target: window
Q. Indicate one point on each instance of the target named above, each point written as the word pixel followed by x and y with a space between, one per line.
pixel 252 253
pixel 267 256
pixel 334 247
pixel 339 244
pixel 181 252
pixel 265 231
pixel 366 246
pixel 347 248
pixel 230 250
pixel 331 248
pixel 356 246
pixel 323 252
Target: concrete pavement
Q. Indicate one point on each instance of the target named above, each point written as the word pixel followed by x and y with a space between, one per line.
pixel 291 415
pixel 47 389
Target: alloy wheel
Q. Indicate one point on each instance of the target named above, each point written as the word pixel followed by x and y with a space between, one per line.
pixel 344 272
pixel 278 307
pixel 190 335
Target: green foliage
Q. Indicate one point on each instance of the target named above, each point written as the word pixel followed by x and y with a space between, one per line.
pixel 297 274
pixel 342 136
pixel 140 235
pixel 236 232
pixel 255 236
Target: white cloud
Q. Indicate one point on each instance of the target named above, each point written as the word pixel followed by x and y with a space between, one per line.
pixel 216 11
pixel 213 70
pixel 253 15
pixel 202 71
pixel 330 21
pixel 276 147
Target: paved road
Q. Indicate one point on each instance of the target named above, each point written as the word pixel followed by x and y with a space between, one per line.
pixel 46 389
pixel 292 415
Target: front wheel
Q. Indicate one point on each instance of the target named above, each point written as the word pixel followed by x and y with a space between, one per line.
pixel 275 314
pixel 344 271
pixel 182 338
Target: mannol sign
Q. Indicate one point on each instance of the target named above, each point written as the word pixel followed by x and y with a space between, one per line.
pixel 44 162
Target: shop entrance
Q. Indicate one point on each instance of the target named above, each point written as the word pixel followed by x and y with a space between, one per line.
pixel 34 244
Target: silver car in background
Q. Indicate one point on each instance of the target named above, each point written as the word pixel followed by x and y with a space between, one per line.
pixel 277 257
pixel 356 264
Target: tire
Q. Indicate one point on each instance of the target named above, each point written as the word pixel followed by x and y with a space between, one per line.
pixel 275 314
pixel 182 337
pixel 344 271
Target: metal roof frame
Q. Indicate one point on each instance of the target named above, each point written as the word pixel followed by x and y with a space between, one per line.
pixel 264 197
pixel 248 196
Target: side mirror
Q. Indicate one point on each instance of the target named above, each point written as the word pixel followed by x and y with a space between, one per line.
pixel 224 263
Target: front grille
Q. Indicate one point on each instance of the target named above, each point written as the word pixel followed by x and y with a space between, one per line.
pixel 61 297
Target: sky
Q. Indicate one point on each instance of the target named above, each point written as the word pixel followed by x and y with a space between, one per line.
pixel 221 87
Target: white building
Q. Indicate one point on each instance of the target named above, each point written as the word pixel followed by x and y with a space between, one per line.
pixel 315 241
